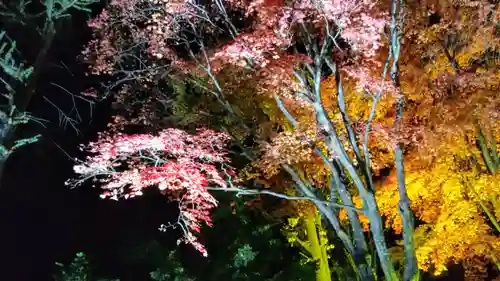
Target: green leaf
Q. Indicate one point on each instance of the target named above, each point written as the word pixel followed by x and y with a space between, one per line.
pixel 244 255
pixel 9 65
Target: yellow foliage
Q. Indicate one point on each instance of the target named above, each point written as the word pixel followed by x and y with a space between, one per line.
pixel 446 195
pixel 358 107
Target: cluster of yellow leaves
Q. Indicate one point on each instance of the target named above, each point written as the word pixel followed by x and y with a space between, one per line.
pixel 447 196
pixel 448 183
pixel 307 232
pixel 459 228
pixel 446 199
pixel 362 218
pixel 459 234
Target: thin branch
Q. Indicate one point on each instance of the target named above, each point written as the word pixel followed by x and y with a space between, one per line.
pixel 244 192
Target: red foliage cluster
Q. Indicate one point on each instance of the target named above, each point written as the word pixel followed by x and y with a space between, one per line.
pixel 179 164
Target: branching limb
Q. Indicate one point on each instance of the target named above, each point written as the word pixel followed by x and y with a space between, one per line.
pixel 411 268
pixel 337 186
pixel 246 192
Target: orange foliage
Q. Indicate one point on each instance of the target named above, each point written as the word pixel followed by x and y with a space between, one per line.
pixel 446 177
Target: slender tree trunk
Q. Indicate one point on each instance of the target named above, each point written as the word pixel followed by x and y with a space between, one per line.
pixel 323 242
pixel 411 271
pixel 323 270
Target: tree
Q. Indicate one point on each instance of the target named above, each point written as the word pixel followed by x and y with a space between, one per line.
pixel 335 36
pixel 19 81
pixel 9 115
pixel 306 232
pixel 180 164
pixel 78 270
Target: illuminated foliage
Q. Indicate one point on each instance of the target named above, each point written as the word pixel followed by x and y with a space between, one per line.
pixel 340 131
pixel 182 166
pixel 451 77
pixel 306 231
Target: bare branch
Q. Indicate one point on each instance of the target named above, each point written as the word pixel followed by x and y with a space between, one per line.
pixel 245 192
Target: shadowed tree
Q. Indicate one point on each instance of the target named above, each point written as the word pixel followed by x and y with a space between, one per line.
pixel 19 82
